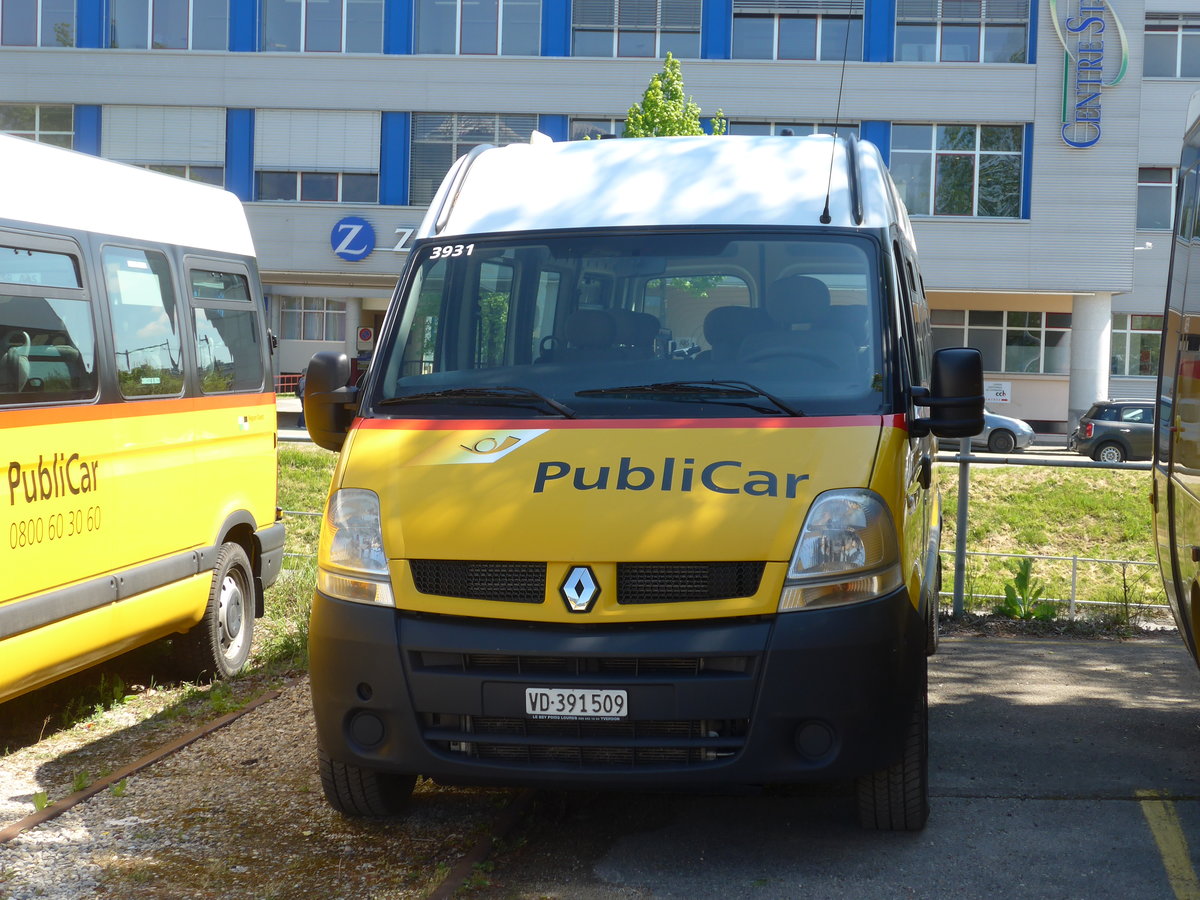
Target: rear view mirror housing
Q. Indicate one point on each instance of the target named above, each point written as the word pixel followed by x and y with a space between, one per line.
pixel 955 397
pixel 329 404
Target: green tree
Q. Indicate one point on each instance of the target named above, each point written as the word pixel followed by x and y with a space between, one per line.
pixel 666 110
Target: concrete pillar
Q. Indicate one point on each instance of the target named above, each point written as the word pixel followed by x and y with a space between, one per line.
pixel 353 320
pixel 1091 339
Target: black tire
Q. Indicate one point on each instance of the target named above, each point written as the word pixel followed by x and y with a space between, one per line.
pixel 219 644
pixel 1002 441
pixel 1110 451
pixel 933 621
pixel 897 798
pixel 358 792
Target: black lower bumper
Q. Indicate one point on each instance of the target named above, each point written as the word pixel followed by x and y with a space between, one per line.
pixel 803 696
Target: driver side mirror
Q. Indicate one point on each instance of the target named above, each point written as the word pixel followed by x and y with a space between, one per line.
pixel 955 397
pixel 329 405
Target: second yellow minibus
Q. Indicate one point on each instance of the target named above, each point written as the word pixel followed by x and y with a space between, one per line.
pixel 137 414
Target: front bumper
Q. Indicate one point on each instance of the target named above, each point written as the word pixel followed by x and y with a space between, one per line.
pixel 806 696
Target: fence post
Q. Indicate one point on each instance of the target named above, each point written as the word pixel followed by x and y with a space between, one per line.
pixel 1074 582
pixel 960 529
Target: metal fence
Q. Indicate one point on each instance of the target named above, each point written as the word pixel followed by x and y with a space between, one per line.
pixel 1129 599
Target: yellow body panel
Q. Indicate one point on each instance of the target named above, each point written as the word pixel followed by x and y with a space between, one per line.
pixel 94 491
pixel 603 492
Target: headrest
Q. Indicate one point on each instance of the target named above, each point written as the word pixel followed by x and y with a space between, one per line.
pixel 635 329
pixel 590 328
pixel 796 299
pixel 729 324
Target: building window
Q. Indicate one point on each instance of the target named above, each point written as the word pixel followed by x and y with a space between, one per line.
pixel 322 26
pixel 312 319
pixel 1156 199
pixel 438 139
pixel 836 32
pixel 1010 342
pixel 488 27
pixel 214 175
pixel 46 124
pixel 37 23
pixel 169 24
pixel 649 28
pixel 790 129
pixel 1135 343
pixel 959 170
pixel 990 31
pixel 594 129
pixel 318 187
pixel 1172 47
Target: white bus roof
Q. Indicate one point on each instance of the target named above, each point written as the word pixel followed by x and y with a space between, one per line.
pixel 45 185
pixel 681 181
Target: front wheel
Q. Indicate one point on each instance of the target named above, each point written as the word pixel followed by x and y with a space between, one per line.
pixel 1110 453
pixel 354 791
pixel 219 644
pixel 1002 441
pixel 897 798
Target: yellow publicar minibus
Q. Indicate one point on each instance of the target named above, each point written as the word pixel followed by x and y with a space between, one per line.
pixel 1176 464
pixel 639 490
pixel 137 419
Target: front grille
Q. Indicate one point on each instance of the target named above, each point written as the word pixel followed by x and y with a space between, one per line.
pixel 682 582
pixel 525 582
pixel 624 667
pixel 513 582
pixel 589 744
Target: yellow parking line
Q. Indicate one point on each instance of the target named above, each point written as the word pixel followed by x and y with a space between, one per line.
pixel 1172 845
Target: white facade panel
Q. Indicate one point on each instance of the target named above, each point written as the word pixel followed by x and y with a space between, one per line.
pixel 164 134
pixel 299 239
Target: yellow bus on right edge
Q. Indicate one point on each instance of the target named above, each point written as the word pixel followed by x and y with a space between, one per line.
pixel 1176 489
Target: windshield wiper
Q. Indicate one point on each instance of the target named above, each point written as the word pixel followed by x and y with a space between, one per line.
pixel 497 396
pixel 706 390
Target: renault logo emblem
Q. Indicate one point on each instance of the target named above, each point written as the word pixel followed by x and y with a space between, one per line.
pixel 580 589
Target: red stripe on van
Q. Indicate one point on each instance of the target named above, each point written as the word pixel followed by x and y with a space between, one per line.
pixel 566 424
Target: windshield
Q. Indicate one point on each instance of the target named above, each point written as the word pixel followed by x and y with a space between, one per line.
pixel 603 324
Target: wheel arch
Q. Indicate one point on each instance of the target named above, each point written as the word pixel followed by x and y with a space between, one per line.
pixel 240 528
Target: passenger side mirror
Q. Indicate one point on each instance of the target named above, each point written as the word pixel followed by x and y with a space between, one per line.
pixel 329 405
pixel 955 398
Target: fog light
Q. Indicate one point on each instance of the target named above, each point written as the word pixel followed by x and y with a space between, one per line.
pixel 366 729
pixel 813 740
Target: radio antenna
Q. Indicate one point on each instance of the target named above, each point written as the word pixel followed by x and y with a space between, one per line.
pixel 826 218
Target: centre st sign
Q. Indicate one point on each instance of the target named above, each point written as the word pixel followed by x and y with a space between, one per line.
pixel 1094 46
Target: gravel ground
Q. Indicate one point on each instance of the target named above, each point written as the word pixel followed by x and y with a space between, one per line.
pixel 237 814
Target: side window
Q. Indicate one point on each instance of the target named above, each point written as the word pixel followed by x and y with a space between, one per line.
pixel 544 312
pixel 47 332
pixel 228 349
pixel 495 294
pixel 145 322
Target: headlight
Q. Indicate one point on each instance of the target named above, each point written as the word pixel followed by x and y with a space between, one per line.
pixel 351 564
pixel 847 553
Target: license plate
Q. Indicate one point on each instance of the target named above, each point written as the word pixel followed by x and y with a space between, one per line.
pixel 575 703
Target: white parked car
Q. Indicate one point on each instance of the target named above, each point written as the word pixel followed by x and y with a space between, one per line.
pixel 1002 434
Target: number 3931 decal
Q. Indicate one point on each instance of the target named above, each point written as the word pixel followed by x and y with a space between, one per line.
pixel 451 250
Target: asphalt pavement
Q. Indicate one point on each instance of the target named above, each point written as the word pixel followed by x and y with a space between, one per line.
pixel 1058 769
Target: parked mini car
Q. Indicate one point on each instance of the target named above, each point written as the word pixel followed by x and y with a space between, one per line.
pixel 1115 430
pixel 1002 434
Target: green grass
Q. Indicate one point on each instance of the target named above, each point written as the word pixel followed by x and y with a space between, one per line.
pixel 304 474
pixel 1046 511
